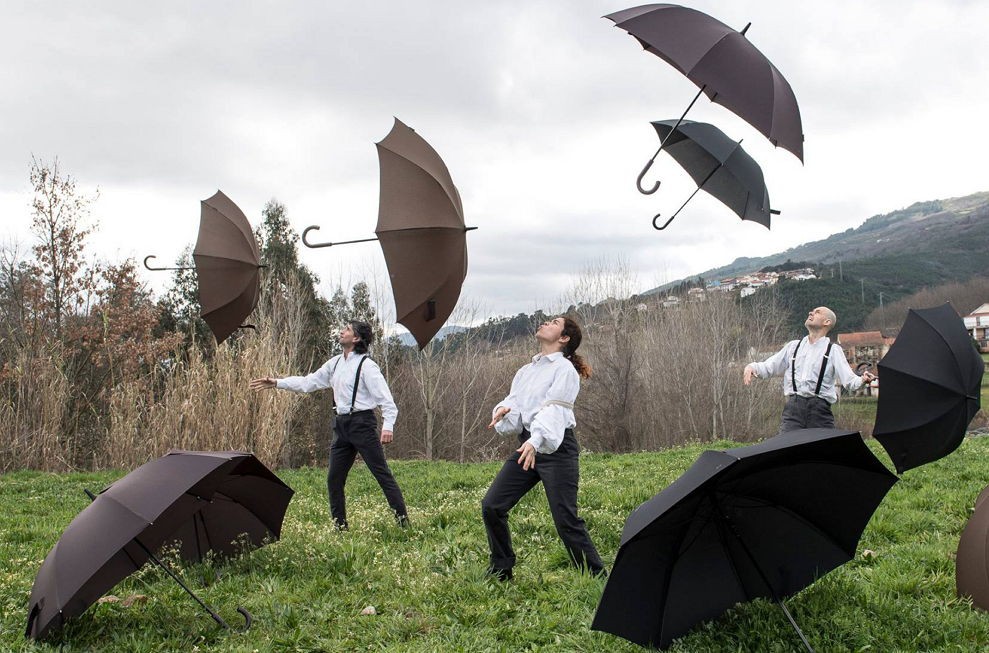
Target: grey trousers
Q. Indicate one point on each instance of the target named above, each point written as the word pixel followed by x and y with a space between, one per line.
pixel 806 413
pixel 559 471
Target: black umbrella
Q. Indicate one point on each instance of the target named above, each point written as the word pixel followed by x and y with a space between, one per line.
pixel 764 520
pixel 214 501
pixel 929 389
pixel 724 64
pixel 718 165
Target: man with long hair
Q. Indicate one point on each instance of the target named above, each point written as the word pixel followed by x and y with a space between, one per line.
pixel 539 410
pixel 358 388
pixel 810 367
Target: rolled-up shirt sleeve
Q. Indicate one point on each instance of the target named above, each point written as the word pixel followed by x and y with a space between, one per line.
pixel 380 393
pixel 318 380
pixel 774 365
pixel 550 421
pixel 843 371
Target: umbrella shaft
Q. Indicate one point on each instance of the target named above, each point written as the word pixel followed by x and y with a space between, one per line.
pixel 679 120
pixel 154 559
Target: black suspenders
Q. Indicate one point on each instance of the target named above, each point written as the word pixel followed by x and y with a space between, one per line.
pixel 357 380
pixel 820 376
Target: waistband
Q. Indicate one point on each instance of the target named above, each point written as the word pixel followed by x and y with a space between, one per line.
pixel 525 435
pixel 367 411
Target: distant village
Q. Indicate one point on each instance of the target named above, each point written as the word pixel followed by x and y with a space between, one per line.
pixel 746 284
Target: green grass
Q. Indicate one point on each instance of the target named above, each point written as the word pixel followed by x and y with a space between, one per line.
pixel 427 584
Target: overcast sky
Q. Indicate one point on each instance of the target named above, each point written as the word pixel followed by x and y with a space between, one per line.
pixel 540 109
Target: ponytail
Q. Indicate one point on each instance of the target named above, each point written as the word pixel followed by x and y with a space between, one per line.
pixel 572 329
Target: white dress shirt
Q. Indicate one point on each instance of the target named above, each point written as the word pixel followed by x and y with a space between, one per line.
pixel 808 367
pixel 339 373
pixel 541 400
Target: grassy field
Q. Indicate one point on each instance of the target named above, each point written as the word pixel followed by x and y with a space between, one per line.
pixel 429 591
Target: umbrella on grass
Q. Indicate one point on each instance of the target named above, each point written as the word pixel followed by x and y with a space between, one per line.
pixel 972 557
pixel 718 165
pixel 228 265
pixel 421 231
pixel 724 64
pixel 930 388
pixel 210 501
pixel 765 520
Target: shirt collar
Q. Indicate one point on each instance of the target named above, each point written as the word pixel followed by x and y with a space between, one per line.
pixel 556 355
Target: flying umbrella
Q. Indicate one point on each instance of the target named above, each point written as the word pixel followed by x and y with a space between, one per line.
pixel 421 231
pixel 724 64
pixel 764 520
pixel 228 265
pixel 211 501
pixel 930 383
pixel 718 165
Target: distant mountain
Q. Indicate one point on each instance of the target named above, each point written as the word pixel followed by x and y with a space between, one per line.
pixel 926 243
pixel 409 341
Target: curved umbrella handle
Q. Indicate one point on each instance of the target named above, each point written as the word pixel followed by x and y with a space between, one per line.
pixel 665 224
pixel 340 242
pixel 638 180
pixel 313 245
pixel 248 619
pixel 156 269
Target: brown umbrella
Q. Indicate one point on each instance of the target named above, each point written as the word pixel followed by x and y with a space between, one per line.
pixel 724 64
pixel 210 501
pixel 228 264
pixel 972 559
pixel 421 230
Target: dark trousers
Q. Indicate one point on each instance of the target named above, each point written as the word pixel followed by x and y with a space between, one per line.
pixel 559 472
pixel 353 434
pixel 806 413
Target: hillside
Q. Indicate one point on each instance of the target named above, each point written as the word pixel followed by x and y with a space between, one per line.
pixel 927 242
pixel 888 257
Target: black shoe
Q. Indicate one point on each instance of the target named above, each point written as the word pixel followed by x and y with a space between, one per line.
pixel 341 526
pixel 503 575
pixel 599 573
pixel 402 520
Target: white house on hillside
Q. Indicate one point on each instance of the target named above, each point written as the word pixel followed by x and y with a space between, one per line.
pixel 977 323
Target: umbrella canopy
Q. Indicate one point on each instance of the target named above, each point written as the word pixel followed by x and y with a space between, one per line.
pixel 728 68
pixel 212 501
pixel 422 232
pixel 972 559
pixel 228 265
pixel 764 520
pixel 718 165
pixel 930 382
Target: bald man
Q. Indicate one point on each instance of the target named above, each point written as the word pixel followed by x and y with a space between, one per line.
pixel 809 367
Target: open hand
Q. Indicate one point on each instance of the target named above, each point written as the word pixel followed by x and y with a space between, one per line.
pixel 528 457
pixel 264 383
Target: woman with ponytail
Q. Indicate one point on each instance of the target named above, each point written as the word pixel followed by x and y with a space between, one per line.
pixel 539 410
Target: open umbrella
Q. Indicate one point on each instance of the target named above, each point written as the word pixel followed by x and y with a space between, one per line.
pixel 930 384
pixel 421 230
pixel 718 165
pixel 228 265
pixel 972 558
pixel 211 501
pixel 724 64
pixel 764 520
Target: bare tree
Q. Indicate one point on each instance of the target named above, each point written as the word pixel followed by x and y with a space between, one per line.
pixel 59 223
